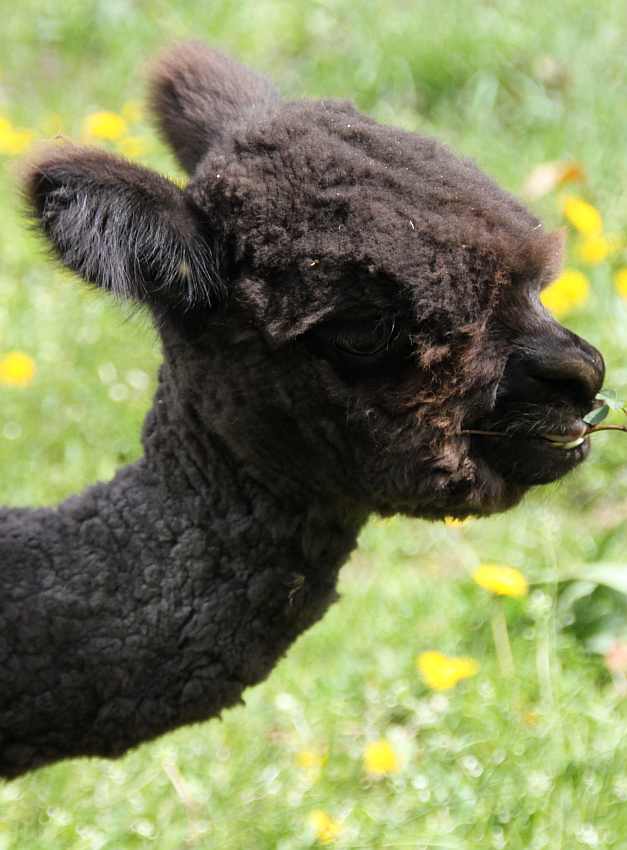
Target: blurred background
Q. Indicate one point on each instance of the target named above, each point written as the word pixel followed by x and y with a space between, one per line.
pixel 440 704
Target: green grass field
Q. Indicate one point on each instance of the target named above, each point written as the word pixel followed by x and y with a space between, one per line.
pixel 529 758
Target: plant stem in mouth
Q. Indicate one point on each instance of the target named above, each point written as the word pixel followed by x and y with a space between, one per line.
pixel 486 433
pixel 594 429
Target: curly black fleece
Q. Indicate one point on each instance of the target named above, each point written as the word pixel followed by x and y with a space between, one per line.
pixel 151 601
pixel 156 599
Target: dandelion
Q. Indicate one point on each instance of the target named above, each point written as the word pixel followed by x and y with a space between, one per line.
pixel 380 759
pixel 311 761
pixel 531 718
pixel 594 249
pixel 132 147
pixel 326 828
pixel 570 290
pixel 307 759
pixel 131 111
pixel 13 141
pixel 17 369
pixel 620 282
pixel 385 521
pixel 583 216
pixel 105 125
pixel 442 672
pixel 501 580
pixel 453 522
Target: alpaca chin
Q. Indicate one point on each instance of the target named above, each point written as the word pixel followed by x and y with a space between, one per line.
pixel 532 461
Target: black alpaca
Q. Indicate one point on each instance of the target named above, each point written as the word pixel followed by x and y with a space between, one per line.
pixel 337 301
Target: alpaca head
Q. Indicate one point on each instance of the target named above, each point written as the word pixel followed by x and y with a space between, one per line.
pixel 338 299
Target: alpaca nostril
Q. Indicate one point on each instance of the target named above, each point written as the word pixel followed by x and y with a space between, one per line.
pixel 574 372
pixel 553 368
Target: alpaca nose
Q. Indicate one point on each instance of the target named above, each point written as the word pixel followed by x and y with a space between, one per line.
pixel 565 366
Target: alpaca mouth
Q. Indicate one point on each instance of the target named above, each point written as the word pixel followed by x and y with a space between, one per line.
pixel 532 456
pixel 563 444
pixel 567 439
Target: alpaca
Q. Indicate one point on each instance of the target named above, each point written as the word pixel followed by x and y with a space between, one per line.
pixel 338 301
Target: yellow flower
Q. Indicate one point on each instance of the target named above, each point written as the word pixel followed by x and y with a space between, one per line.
pixel 570 290
pixel 12 140
pixel 131 146
pixel 326 828
pixel 502 580
pixel 132 111
pixel 442 672
pixel 594 249
pixel 310 760
pixel 17 369
pixel 583 216
pixel 384 521
pixel 620 281
pixel 380 758
pixel 453 522
pixel 105 125
pixel 531 718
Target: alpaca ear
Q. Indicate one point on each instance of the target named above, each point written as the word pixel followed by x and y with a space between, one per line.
pixel 123 227
pixel 553 258
pixel 197 94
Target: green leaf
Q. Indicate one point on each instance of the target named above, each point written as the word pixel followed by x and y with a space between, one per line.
pixel 573 592
pixel 597 415
pixel 610 574
pixel 592 603
pixel 610 397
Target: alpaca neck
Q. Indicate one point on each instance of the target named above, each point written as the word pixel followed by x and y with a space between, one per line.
pixel 153 600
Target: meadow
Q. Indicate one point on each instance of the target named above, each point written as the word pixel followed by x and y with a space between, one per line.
pixel 514 735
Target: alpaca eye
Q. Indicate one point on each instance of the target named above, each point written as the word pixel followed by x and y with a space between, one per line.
pixel 365 339
pixel 362 347
pixel 361 343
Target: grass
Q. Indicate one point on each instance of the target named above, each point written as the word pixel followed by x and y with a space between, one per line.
pixel 525 762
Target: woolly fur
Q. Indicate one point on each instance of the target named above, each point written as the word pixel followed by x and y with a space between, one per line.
pixel 336 300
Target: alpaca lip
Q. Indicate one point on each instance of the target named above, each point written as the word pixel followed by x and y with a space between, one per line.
pixel 570 439
pixel 558 442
